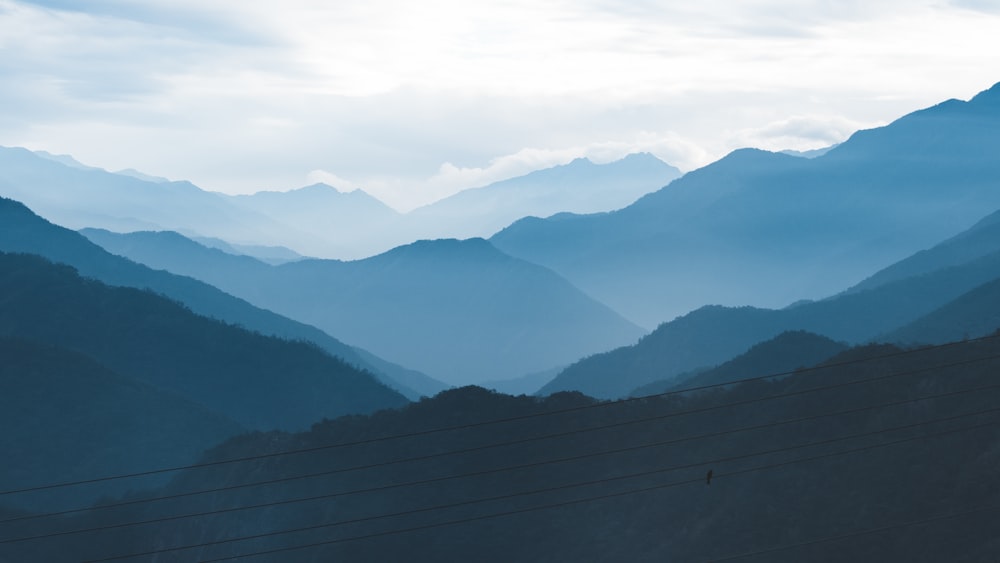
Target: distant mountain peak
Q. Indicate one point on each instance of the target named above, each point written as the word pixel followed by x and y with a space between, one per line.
pixel 65 160
pixel 450 248
pixel 317 191
pixel 741 160
pixel 633 158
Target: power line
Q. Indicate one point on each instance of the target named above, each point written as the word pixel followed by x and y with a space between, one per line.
pixel 497 470
pixel 520 494
pixel 531 509
pixel 531 416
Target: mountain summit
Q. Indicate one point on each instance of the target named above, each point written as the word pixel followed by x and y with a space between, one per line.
pixel 768 229
pixel 581 186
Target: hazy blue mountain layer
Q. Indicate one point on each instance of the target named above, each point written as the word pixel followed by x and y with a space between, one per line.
pixel 78 197
pixel 338 224
pixel 23 231
pixel 67 418
pixel 317 220
pixel 712 335
pixel 355 225
pixel 579 187
pixel 979 241
pixel 269 254
pixel 767 229
pixel 830 465
pixel 260 382
pixel 459 310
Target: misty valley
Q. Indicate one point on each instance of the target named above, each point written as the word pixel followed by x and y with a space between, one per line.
pixel 774 357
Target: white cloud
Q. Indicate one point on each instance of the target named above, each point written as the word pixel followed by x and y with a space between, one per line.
pixel 992 6
pixel 450 178
pixel 413 100
pixel 799 133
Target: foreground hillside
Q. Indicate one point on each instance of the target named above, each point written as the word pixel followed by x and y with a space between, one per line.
pixel 883 454
pixel 67 417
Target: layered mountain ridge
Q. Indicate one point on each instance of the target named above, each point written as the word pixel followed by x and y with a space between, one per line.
pixel 459 310
pixel 766 229
pixel 23 231
pixel 316 220
pixel 924 298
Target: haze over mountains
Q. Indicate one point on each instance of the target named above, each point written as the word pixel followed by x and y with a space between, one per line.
pixel 767 229
pixel 259 381
pixel 23 231
pixel 786 449
pixel 317 220
pixel 130 381
pixel 579 187
pixel 888 306
pixel 460 311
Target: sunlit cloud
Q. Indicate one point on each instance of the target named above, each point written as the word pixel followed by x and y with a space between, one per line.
pixel 799 133
pixel 415 101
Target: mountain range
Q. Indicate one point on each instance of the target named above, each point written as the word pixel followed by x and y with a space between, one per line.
pixel 580 186
pixel 767 229
pixel 317 220
pixel 25 232
pixel 831 464
pixel 792 404
pixel 916 300
pixel 261 382
pixel 100 380
pixel 460 311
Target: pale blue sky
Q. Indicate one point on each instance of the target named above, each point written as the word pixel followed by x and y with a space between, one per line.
pixel 415 100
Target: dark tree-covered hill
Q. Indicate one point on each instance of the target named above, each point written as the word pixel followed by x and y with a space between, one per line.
pixel 889 456
pixel 258 381
pixel 66 417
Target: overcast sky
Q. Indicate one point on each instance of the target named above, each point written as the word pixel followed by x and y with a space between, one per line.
pixel 413 101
